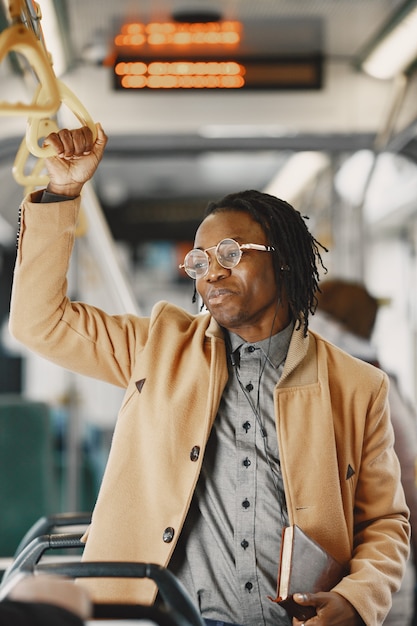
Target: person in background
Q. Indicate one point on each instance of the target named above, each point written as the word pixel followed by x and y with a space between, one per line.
pixel 346 315
pixel 45 601
pixel 235 423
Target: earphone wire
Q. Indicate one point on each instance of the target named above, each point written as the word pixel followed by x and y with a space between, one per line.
pixel 256 410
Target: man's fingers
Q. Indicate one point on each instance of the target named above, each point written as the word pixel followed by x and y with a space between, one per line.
pixel 101 135
pixel 100 142
pixel 53 140
pixel 82 140
pixel 71 143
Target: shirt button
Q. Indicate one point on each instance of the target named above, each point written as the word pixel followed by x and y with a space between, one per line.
pixel 246 462
pixel 246 426
pixel 246 503
pixel 195 453
pixel 251 349
pixel 249 586
pixel 244 544
pixel 249 387
pixel 168 535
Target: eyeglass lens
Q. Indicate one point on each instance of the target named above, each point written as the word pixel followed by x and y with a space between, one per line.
pixel 228 255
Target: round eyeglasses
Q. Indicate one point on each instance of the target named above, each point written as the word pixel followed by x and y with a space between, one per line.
pixel 228 253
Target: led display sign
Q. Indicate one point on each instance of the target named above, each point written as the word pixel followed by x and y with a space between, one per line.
pixel 209 55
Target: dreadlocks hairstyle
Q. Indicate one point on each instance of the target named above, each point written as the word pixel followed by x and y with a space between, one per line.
pixel 296 254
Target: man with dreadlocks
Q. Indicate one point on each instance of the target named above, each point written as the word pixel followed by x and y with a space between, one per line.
pixel 236 422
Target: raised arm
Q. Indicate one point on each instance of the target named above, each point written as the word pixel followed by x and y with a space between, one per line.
pixel 42 317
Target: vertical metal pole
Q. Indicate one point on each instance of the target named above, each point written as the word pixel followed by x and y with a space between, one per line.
pixel 73 427
pixel 73 453
pixel 102 245
pixel 382 138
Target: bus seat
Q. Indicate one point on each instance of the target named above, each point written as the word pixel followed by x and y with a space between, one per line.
pixel 28 484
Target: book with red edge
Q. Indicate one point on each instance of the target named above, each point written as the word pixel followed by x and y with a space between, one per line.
pixel 305 567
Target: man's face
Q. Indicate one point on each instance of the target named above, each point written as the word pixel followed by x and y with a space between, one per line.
pixel 243 299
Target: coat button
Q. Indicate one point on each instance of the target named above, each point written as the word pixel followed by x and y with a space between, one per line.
pixel 246 503
pixel 168 535
pixel 246 462
pixel 249 586
pixel 195 453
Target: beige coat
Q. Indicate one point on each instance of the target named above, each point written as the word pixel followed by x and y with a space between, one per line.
pixel 341 475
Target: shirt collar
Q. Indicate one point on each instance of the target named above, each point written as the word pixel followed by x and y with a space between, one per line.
pixel 274 348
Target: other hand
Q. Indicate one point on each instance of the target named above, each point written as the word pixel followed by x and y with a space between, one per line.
pixel 331 608
pixel 77 158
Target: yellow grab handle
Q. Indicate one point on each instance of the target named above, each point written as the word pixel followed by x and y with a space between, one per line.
pixel 35 129
pixel 35 178
pixel 47 102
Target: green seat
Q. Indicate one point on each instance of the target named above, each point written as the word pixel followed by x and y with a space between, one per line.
pixel 28 485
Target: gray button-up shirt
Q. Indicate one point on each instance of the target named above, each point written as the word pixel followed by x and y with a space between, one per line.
pixel 227 555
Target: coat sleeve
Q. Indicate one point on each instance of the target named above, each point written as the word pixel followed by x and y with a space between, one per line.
pixel 381 529
pixel 74 335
